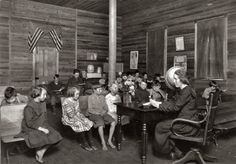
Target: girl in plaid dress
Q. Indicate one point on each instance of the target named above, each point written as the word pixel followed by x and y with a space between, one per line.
pixel 72 116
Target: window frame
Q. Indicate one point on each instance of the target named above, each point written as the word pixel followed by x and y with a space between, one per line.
pixel 225 48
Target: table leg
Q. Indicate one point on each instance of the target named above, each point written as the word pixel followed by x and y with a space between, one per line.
pixel 144 143
pixel 119 133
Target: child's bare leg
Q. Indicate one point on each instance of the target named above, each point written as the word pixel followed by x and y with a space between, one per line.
pixel 111 132
pixel 89 135
pixel 40 153
pixel 101 134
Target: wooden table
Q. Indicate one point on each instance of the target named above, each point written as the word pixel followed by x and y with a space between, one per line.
pixel 141 114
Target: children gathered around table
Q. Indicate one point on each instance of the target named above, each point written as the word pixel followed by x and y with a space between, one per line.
pixel 101 109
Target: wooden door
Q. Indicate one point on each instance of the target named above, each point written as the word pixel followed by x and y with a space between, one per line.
pixel 45 63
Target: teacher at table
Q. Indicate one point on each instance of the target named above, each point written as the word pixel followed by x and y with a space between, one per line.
pixel 184 106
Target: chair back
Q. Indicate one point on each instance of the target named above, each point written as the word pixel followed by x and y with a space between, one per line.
pixel 11 117
pixel 210 116
pixel 83 104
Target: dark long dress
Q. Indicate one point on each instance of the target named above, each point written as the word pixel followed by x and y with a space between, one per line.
pixel 185 107
pixel 35 116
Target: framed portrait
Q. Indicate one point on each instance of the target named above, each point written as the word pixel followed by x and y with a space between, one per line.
pixel 179 42
pixel 133 59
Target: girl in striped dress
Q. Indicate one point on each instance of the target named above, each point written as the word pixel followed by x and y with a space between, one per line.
pixel 72 116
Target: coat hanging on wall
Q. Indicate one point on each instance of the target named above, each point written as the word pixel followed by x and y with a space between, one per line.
pixel 33 39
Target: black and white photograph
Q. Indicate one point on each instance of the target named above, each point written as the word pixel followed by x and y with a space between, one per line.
pixel 133 59
pixel 117 81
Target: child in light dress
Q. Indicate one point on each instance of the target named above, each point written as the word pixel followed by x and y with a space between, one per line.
pixel 73 117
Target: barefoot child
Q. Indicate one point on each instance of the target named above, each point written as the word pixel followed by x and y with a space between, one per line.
pixel 35 129
pixel 98 109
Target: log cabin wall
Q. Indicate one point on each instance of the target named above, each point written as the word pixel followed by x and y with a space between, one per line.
pixel 93 38
pixel 4 42
pixel 82 32
pixel 178 16
pixel 24 17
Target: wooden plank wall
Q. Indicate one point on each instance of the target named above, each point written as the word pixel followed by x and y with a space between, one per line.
pixel 187 31
pixel 19 17
pixel 173 14
pixel 26 16
pixel 93 37
pixel 4 42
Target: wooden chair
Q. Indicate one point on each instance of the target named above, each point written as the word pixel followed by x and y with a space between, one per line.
pixel 206 134
pixel 11 118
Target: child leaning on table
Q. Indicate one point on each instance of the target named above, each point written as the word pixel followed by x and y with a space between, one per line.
pixel 156 93
pixel 112 98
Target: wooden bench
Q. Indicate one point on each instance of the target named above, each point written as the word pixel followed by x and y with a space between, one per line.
pixel 11 118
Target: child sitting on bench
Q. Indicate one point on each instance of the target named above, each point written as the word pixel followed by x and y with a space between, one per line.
pixel 73 117
pixel 98 113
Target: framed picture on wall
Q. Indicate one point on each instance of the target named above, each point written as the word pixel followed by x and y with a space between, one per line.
pixel 179 42
pixel 181 61
pixel 133 59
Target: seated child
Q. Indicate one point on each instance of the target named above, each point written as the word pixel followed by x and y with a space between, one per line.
pixel 98 113
pixel 156 93
pixel 38 134
pixel 73 117
pixel 55 90
pixel 141 93
pixel 111 98
pixel 11 97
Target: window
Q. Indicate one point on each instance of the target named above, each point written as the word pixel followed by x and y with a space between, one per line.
pixel 211 48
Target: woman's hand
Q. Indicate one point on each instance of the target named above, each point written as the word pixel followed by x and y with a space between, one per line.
pixel 46 131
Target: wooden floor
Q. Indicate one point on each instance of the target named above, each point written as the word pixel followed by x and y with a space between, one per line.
pixel 69 151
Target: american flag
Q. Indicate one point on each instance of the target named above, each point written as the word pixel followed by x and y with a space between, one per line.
pixel 56 39
pixel 33 39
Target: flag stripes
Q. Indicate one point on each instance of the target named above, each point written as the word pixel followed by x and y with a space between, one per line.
pixel 33 40
pixel 56 40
